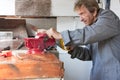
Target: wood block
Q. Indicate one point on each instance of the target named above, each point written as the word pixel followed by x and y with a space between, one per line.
pixel 31 66
pixel 33 7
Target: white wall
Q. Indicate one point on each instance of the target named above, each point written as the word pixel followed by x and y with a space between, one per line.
pixel 115 6
pixel 7 7
pixel 68 23
pixel 75 69
pixel 63 8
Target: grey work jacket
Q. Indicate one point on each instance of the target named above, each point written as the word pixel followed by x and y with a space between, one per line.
pixel 103 36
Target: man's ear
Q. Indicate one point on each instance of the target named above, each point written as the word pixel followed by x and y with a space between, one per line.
pixel 95 12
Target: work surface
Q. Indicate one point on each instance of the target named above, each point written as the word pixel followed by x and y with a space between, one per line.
pixel 31 66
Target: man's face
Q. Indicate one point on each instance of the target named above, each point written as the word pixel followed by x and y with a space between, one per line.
pixel 85 16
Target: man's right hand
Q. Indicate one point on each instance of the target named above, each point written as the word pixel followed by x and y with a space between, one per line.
pixel 52 33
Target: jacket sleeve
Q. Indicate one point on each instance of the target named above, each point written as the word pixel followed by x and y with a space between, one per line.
pixel 81 53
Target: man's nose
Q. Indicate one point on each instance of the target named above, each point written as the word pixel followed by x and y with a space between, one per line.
pixel 81 19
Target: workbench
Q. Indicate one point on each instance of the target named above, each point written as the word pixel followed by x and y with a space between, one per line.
pixel 45 66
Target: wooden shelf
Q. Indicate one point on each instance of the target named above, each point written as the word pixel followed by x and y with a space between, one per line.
pixel 23 17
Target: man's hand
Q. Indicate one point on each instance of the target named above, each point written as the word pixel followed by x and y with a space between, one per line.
pixel 42 30
pixel 81 53
pixel 74 51
pixel 52 33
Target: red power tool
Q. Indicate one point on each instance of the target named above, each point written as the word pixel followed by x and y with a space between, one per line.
pixel 39 44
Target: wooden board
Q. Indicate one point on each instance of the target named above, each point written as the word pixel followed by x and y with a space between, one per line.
pixel 33 7
pixel 31 66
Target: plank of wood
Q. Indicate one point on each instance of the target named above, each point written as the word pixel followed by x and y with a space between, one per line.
pixel 33 7
pixel 31 66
